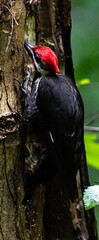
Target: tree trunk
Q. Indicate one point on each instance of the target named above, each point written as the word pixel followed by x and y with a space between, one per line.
pixel 12 213
pixel 50 216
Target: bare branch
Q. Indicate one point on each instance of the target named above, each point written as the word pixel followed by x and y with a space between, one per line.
pixel 10 36
pixel 11 14
pixel 90 128
pixel 12 26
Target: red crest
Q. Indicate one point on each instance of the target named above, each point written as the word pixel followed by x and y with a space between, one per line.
pixel 48 56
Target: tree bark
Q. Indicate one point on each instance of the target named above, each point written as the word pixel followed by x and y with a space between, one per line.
pixel 12 213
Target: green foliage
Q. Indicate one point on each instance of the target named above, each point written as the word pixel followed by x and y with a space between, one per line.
pixel 92 149
pixel 85 39
pixel 91 197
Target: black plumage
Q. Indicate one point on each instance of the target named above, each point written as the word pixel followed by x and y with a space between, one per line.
pixel 56 114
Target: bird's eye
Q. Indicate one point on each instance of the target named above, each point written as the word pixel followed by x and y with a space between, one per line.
pixel 39 61
pixel 37 58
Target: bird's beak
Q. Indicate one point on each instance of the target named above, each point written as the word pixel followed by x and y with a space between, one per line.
pixel 29 47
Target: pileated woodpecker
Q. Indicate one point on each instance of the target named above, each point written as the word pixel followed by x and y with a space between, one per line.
pixel 55 111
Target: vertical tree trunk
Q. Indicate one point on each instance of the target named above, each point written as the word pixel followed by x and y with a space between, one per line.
pixel 12 213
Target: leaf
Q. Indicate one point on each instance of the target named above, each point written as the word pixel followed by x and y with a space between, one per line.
pixel 84 81
pixel 92 149
pixel 91 197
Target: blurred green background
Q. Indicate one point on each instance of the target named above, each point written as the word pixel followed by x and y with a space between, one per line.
pixel 85 51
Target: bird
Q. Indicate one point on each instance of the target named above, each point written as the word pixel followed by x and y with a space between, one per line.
pixel 56 113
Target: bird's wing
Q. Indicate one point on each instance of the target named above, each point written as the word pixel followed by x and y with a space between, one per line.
pixel 60 105
pixel 61 108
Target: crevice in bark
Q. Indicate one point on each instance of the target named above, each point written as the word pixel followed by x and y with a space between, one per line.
pixel 68 53
pixel 7 101
pixel 7 181
pixel 1 230
pixel 64 9
pixel 16 226
pixel 1 202
pixel 1 233
pixel 9 123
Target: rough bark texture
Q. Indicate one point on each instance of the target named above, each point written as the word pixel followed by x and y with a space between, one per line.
pixel 12 217
pixel 53 24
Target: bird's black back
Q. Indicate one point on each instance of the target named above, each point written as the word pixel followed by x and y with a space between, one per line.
pixel 61 108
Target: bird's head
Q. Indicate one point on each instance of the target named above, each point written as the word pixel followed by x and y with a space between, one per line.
pixel 44 59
